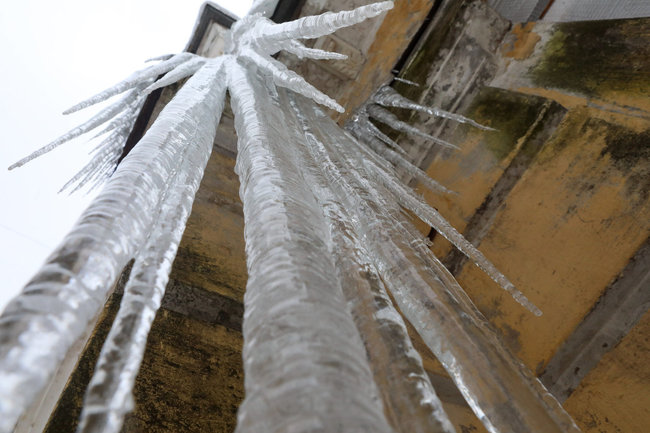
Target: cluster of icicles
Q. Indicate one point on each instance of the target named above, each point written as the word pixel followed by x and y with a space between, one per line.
pixel 326 240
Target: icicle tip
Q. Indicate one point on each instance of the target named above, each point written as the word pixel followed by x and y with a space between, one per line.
pixel 159 58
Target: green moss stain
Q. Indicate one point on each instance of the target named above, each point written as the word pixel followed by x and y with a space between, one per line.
pixel 592 57
pixel 627 148
pixel 627 151
pixel 511 113
pixel 630 154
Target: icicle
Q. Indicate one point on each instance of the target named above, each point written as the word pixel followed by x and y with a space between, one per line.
pixel 388 97
pixel 102 117
pixel 264 7
pixel 109 150
pixel 364 129
pixel 310 27
pixel 85 174
pixel 301 348
pixel 284 77
pixel 391 120
pixel 133 80
pixel 431 216
pixel 302 52
pixel 501 391
pixel 256 38
pixel 178 73
pixel 39 326
pixel 405 81
pixel 411 405
pixel 399 161
pixel 324 232
pixel 407 198
pixel 108 397
pixel 159 58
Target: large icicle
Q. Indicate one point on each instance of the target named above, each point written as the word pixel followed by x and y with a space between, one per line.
pixel 267 34
pixel 409 399
pixel 306 369
pixel 501 391
pixel 324 232
pixel 38 327
pixel 108 397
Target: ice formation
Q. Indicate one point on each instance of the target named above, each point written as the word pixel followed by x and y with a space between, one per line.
pixel 365 131
pixel 502 392
pixel 326 240
pixel 196 112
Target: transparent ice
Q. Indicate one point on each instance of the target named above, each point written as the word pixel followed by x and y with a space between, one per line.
pixel 325 349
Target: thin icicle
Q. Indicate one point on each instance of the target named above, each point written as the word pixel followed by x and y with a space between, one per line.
pixel 96 168
pixel 159 58
pixel 126 119
pixel 108 152
pixel 284 77
pixel 399 161
pixel 431 216
pixel 133 80
pixel 95 164
pixel 102 117
pixel 109 394
pixel 405 81
pixel 178 73
pixel 365 129
pixel 388 97
pixel 391 120
pixel 303 52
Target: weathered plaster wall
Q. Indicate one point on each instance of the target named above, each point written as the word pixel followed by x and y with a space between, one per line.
pixel 567 228
pixel 558 196
pixel 614 396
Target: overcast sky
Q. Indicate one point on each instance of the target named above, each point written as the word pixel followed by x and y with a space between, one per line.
pixel 55 54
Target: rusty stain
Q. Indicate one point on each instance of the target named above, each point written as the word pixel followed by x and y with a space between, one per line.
pixel 523 42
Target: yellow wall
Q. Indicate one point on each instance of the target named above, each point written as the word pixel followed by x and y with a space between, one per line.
pixel 615 397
